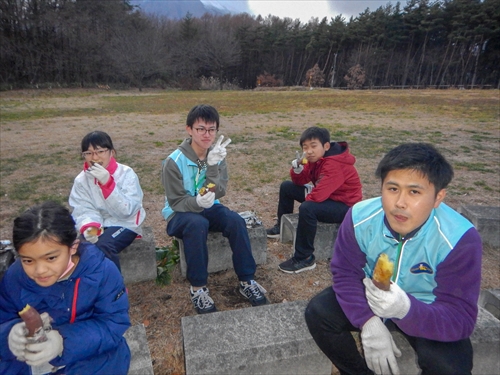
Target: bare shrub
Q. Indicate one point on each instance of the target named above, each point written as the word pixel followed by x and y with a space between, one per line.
pixel 314 77
pixel 355 77
pixel 268 80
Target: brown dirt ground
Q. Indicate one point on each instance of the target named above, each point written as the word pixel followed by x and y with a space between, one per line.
pixel 160 308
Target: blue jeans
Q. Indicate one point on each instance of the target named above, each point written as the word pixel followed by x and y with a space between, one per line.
pixel 192 228
pixel 331 330
pixel 113 240
pixel 310 213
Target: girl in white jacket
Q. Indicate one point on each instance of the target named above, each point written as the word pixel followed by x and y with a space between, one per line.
pixel 106 198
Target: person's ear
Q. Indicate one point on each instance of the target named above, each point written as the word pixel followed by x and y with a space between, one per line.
pixel 74 247
pixel 441 194
pixel 326 146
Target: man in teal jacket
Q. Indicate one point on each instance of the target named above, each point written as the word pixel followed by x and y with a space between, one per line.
pixel 435 285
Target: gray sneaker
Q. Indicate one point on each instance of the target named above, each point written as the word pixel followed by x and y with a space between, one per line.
pixel 293 265
pixel 202 301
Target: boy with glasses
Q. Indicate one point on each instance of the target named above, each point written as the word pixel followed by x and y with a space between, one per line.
pixel 191 214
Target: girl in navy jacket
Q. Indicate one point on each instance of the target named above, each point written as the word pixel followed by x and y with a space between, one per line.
pixel 78 292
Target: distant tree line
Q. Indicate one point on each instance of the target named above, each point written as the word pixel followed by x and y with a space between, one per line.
pixel 83 43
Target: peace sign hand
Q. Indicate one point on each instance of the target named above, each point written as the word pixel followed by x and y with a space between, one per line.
pixel 218 152
pixel 297 164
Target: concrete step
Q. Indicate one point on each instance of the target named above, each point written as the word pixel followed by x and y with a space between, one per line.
pixel 274 339
pixel 326 234
pixel 486 219
pixel 220 254
pixel 140 361
pixel 490 300
pixel 270 339
pixel 138 261
pixel 485 343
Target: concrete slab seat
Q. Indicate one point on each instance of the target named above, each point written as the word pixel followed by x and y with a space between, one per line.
pixel 220 254
pixel 270 339
pixel 140 361
pixel 326 234
pixel 274 339
pixel 486 219
pixel 490 300
pixel 485 343
pixel 138 261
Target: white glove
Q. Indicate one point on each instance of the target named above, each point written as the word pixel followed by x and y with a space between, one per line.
pixel 17 340
pixel 379 348
pixel 308 189
pixel 218 152
pixel 100 173
pixel 90 234
pixel 43 352
pixel 297 165
pixel 393 303
pixel 207 200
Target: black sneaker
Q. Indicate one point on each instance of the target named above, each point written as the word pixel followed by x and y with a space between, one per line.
pixel 253 292
pixel 273 232
pixel 202 301
pixel 293 265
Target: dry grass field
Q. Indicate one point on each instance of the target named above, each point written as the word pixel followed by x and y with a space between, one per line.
pixel 40 134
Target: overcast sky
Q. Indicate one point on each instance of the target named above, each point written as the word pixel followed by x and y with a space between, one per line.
pixel 305 9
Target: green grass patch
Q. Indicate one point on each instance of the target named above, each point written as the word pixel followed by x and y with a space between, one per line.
pixel 478 167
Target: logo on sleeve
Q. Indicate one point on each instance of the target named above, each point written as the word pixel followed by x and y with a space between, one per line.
pixel 421 268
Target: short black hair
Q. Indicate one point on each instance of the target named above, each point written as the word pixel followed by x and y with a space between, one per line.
pixel 314 132
pixel 97 139
pixel 49 220
pixel 204 112
pixel 421 157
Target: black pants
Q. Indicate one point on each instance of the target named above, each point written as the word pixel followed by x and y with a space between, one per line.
pixel 310 213
pixel 331 331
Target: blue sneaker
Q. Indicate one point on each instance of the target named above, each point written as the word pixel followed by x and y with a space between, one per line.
pixel 253 292
pixel 202 301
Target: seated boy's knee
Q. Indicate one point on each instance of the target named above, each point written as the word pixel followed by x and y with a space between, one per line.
pixel 285 185
pixel 307 207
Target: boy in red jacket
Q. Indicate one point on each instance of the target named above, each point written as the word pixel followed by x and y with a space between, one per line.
pixel 336 186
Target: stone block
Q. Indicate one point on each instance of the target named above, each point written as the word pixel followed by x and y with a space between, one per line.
pixel 486 219
pixel 270 339
pixel 138 261
pixel 220 254
pixel 140 362
pixel 490 300
pixel 485 343
pixel 323 241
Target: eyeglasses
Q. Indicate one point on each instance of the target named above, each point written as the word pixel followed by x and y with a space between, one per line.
pixel 88 154
pixel 210 131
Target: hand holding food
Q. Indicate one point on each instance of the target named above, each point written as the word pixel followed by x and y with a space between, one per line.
pixel 92 234
pixel 383 271
pixel 206 189
pixel 207 200
pixel 393 303
pixel 298 162
pixel 100 173
pixel 218 152
pixel 42 352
